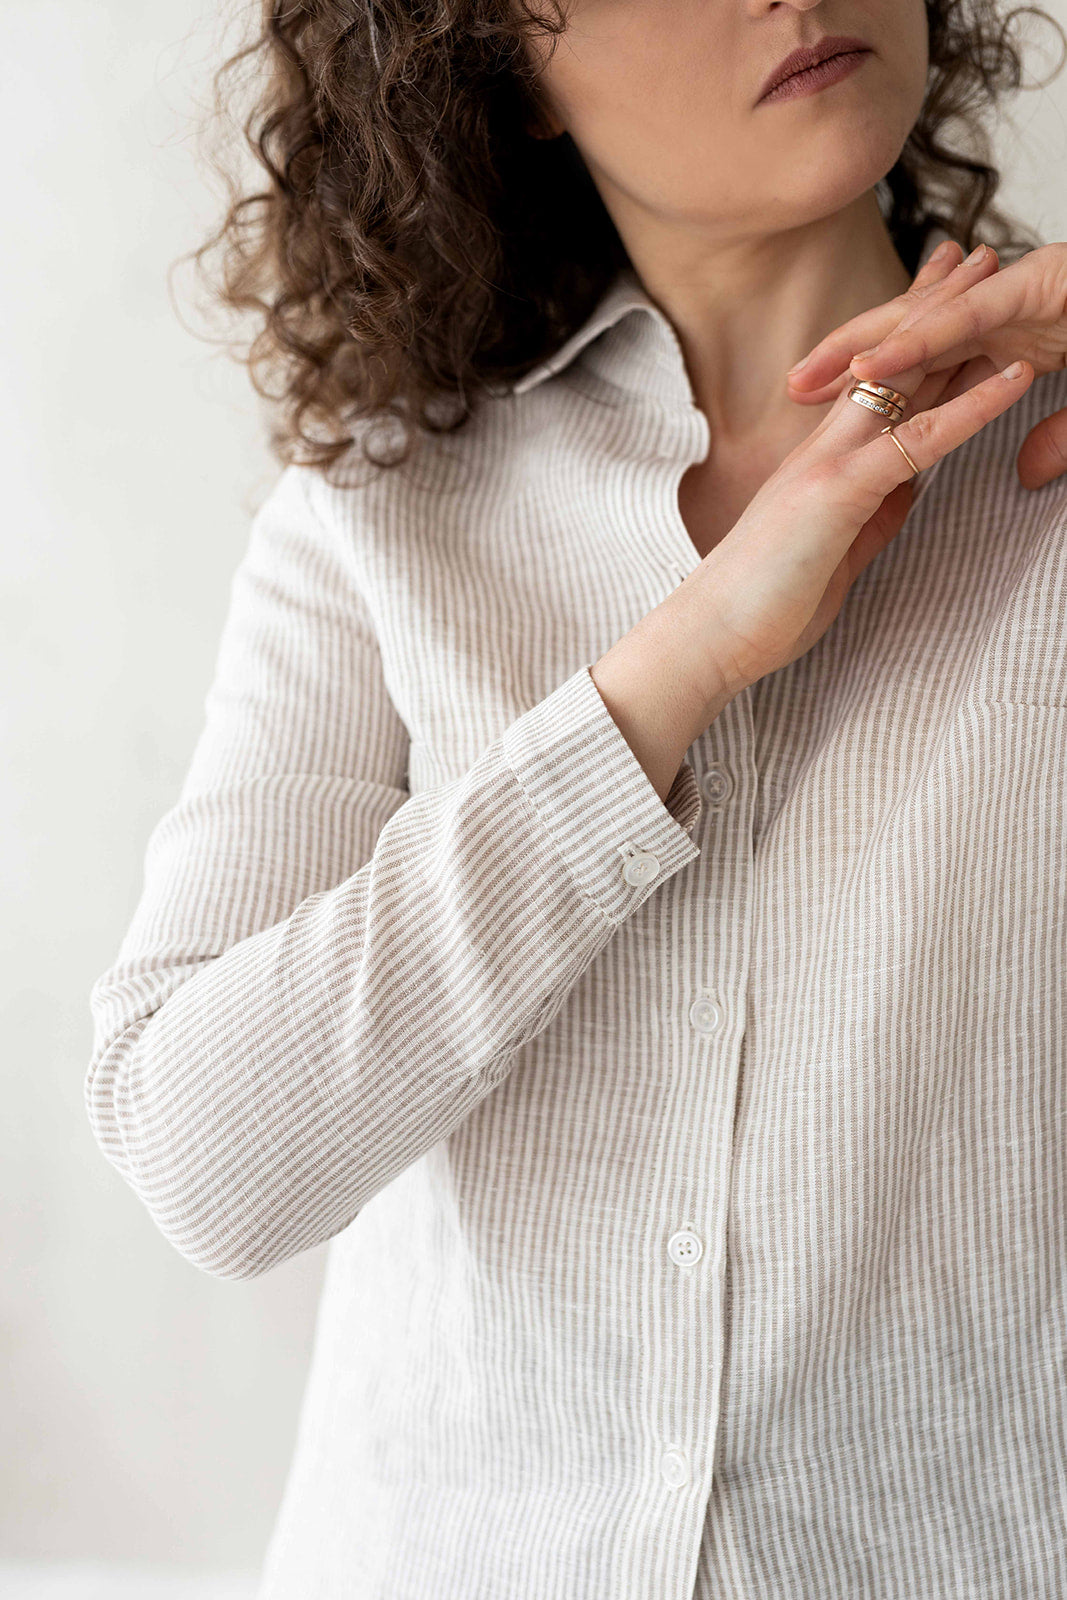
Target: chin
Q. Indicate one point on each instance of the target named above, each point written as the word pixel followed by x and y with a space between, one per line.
pixel 833 173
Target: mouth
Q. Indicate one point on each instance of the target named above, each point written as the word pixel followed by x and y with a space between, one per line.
pixel 809 67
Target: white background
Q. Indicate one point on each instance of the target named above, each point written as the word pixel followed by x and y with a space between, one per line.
pixel 147 1410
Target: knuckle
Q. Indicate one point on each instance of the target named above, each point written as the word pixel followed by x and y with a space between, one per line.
pixel 1056 448
pixel 854 487
pixel 918 429
pixel 818 475
pixel 972 322
pixel 922 352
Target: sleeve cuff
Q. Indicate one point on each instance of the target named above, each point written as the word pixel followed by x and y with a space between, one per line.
pixel 590 792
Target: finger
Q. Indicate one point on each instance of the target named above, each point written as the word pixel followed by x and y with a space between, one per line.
pixel 957 380
pixel 832 354
pixel 939 386
pixel 878 465
pixel 851 422
pixel 930 391
pixel 955 326
pixel 825 391
pixel 1043 453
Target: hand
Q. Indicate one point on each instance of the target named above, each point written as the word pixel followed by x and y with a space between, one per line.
pixel 769 589
pixel 995 317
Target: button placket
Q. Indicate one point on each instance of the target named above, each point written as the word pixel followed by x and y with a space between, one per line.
pixel 716 1014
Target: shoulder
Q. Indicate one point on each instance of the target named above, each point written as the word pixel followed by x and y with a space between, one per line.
pixel 447 484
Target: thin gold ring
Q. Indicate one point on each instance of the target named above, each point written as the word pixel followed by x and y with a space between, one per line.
pixel 901 448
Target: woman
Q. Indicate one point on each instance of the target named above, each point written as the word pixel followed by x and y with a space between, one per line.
pixel 618 895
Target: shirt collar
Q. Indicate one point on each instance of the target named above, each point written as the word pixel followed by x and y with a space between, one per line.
pixel 649 350
pixel 623 295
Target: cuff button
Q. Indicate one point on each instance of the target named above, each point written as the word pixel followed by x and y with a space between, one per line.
pixel 640 868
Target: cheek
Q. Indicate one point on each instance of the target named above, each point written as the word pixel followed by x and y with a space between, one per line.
pixel 653 132
pixel 684 169
pixel 905 50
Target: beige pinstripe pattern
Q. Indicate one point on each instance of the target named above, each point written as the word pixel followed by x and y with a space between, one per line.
pixel 698 1235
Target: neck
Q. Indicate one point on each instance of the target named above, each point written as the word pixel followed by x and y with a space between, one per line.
pixel 746 308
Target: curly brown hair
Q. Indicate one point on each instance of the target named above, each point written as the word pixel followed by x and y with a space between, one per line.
pixel 418 244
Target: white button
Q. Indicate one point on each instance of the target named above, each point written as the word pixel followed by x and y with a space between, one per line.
pixel 641 867
pixel 705 1015
pixel 675 1468
pixel 684 1247
pixel 717 785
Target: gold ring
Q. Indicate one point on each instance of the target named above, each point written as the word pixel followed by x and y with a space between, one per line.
pixel 901 448
pixel 887 403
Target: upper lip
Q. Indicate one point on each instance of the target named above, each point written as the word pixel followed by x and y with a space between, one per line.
pixel 810 55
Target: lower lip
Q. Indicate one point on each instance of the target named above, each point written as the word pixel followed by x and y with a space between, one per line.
pixel 816 78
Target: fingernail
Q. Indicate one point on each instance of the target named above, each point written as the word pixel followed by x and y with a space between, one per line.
pixel 942 250
pixel 798 366
pixel 861 355
pixel 976 255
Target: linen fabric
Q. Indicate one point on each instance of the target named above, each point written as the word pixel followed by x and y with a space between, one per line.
pixel 696 1229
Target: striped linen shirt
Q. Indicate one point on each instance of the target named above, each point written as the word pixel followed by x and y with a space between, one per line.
pixel 694 1172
